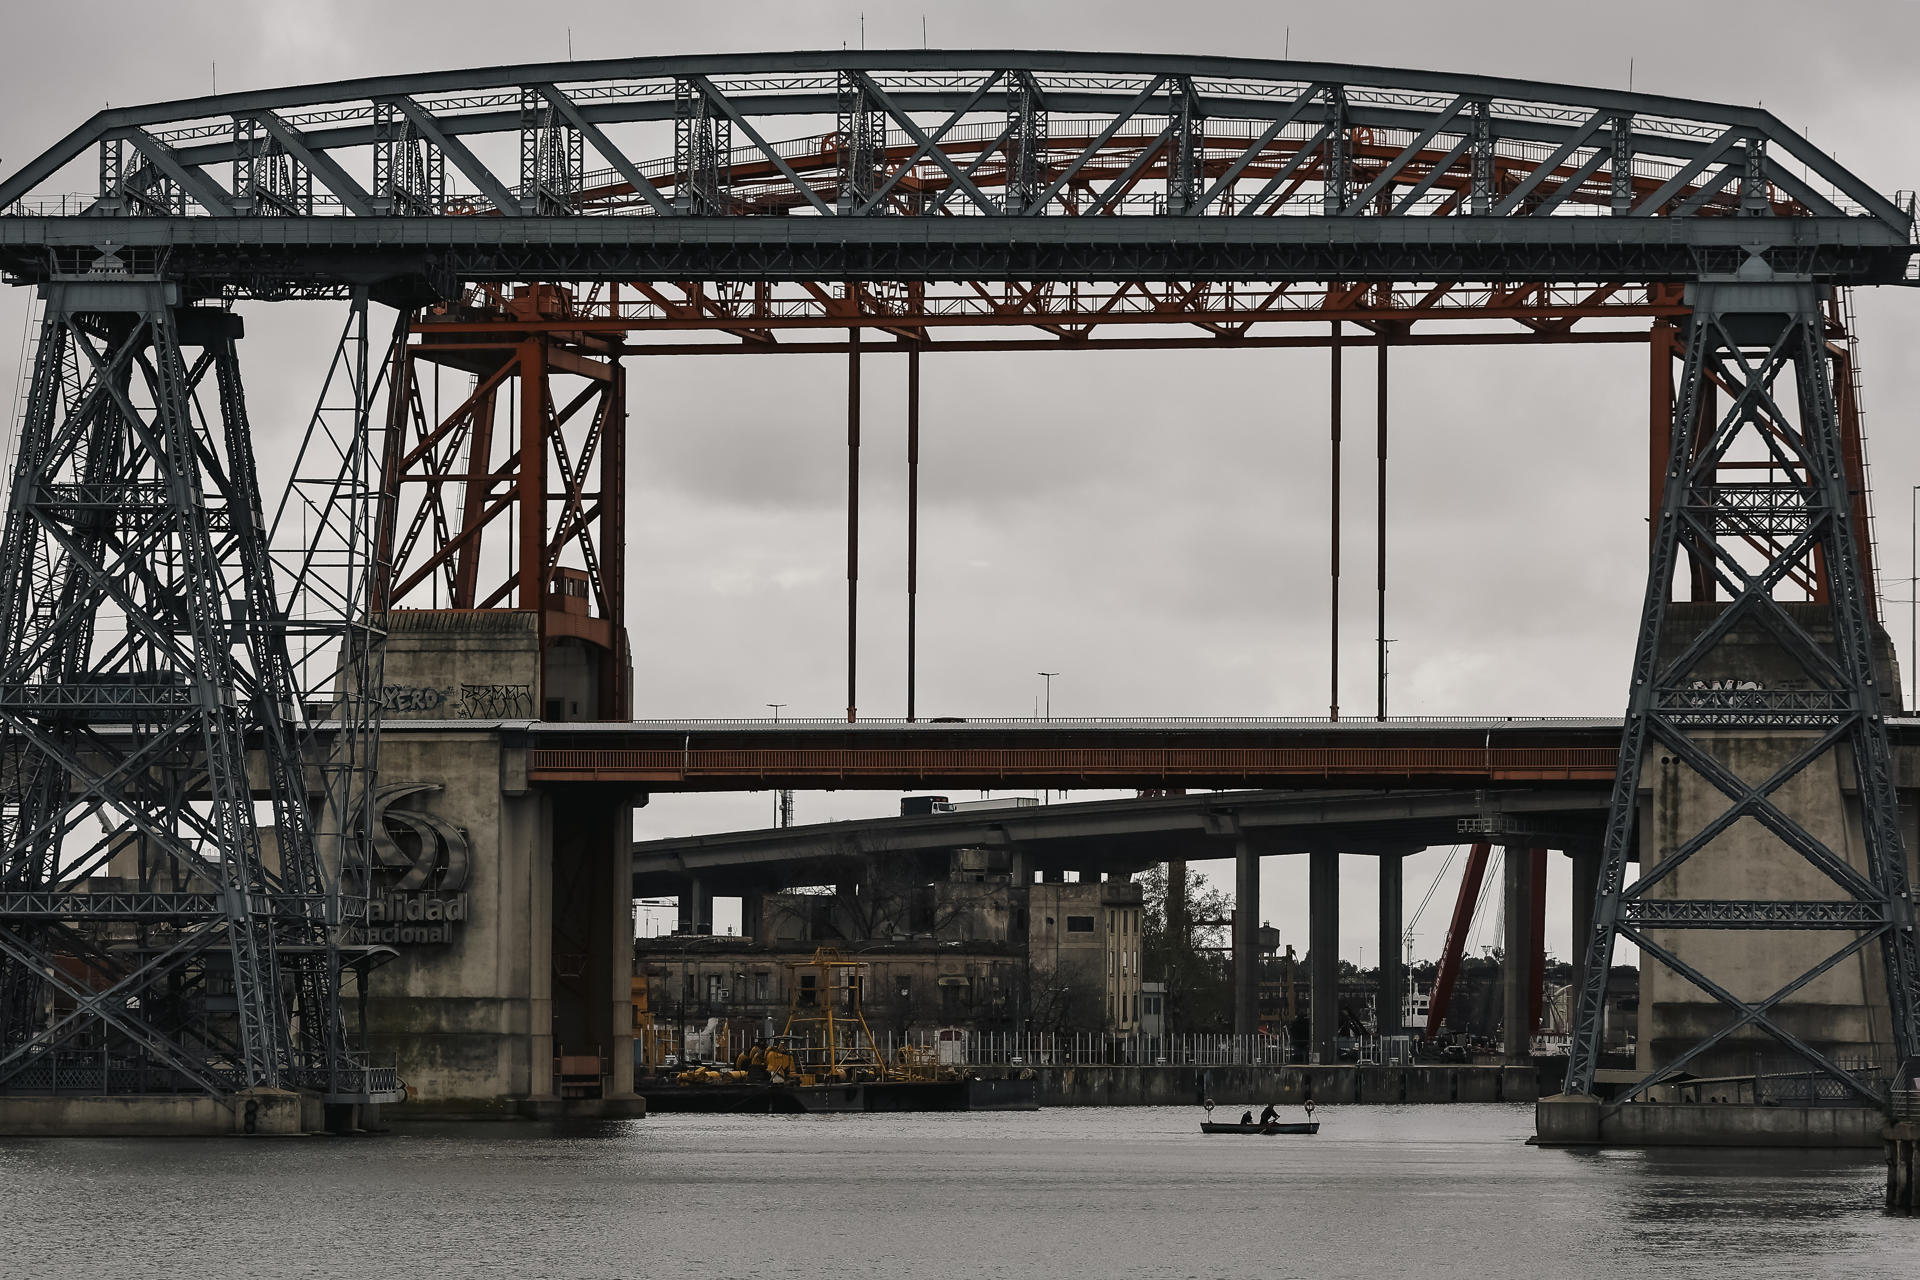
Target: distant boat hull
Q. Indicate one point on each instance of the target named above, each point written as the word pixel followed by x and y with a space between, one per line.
pixel 1266 1130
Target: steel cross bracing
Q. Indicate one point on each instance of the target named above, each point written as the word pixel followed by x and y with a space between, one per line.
pixel 1762 346
pixel 145 943
pixel 928 165
pixel 118 596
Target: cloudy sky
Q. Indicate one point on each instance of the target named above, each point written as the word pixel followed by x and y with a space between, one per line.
pixel 1153 527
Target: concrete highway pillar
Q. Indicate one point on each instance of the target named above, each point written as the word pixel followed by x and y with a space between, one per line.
pixel 752 904
pixel 1246 938
pixel 1019 871
pixel 1323 941
pixel 1586 885
pixel 1053 876
pixel 1517 964
pixel 592 937
pixel 1177 904
pixel 695 908
pixel 1390 1001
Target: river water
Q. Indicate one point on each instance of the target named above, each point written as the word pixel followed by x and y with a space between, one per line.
pixel 1431 1192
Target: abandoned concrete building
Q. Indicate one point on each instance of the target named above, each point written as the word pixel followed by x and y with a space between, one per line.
pixel 972 948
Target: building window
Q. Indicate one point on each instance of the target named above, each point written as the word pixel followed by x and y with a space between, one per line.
pixel 715 993
pixel 809 992
pixel 762 984
pixel 1078 924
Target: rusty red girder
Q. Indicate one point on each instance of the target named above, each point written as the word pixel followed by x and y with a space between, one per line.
pixel 979 315
pixel 1455 949
pixel 515 497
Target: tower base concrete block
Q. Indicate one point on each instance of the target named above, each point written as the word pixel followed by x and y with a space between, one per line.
pixel 1567 1120
pixel 1903 1167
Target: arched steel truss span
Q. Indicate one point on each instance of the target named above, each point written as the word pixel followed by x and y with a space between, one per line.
pixel 932 165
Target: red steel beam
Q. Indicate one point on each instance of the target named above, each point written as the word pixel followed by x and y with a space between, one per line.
pixel 1456 948
pixel 1070 767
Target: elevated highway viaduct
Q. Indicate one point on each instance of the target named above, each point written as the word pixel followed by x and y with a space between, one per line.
pixel 543 791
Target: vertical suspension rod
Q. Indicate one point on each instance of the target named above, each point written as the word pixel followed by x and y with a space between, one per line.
pixel 1380 533
pixel 913 516
pixel 853 517
pixel 1333 482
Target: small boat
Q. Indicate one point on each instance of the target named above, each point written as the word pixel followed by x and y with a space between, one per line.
pixel 1270 1129
pixel 1310 1126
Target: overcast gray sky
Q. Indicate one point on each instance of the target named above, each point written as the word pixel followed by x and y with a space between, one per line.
pixel 1153 527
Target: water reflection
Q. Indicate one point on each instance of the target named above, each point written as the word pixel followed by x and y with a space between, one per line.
pixel 1435 1192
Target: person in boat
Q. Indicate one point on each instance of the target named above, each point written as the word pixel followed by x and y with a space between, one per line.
pixel 1269 1115
pixel 1246 1117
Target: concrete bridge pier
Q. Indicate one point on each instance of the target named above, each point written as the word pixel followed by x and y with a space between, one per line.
pixel 1524 887
pixel 1586 887
pixel 513 939
pixel 695 909
pixel 592 931
pixel 1391 1001
pixel 1246 938
pixel 1903 1166
pixel 1323 954
pixel 752 905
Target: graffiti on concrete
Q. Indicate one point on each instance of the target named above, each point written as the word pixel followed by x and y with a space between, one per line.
pixel 412 699
pixel 472 702
pixel 495 701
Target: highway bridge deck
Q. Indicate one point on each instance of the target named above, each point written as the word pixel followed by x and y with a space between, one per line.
pixel 1129 835
pixel 714 755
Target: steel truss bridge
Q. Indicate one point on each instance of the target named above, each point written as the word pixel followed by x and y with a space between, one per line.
pixel 535 225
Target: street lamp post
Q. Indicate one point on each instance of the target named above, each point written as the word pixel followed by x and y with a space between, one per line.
pixel 1048 677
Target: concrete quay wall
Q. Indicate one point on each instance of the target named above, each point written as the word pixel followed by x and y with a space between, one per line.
pixel 1567 1121
pixel 1250 1086
pixel 264 1112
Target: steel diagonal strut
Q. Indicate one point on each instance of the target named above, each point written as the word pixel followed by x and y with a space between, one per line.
pixel 1782 321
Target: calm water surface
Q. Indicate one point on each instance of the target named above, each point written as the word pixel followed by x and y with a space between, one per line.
pixel 1429 1192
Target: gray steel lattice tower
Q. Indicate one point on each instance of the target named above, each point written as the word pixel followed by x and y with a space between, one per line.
pixel 141 929
pixel 1756 496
